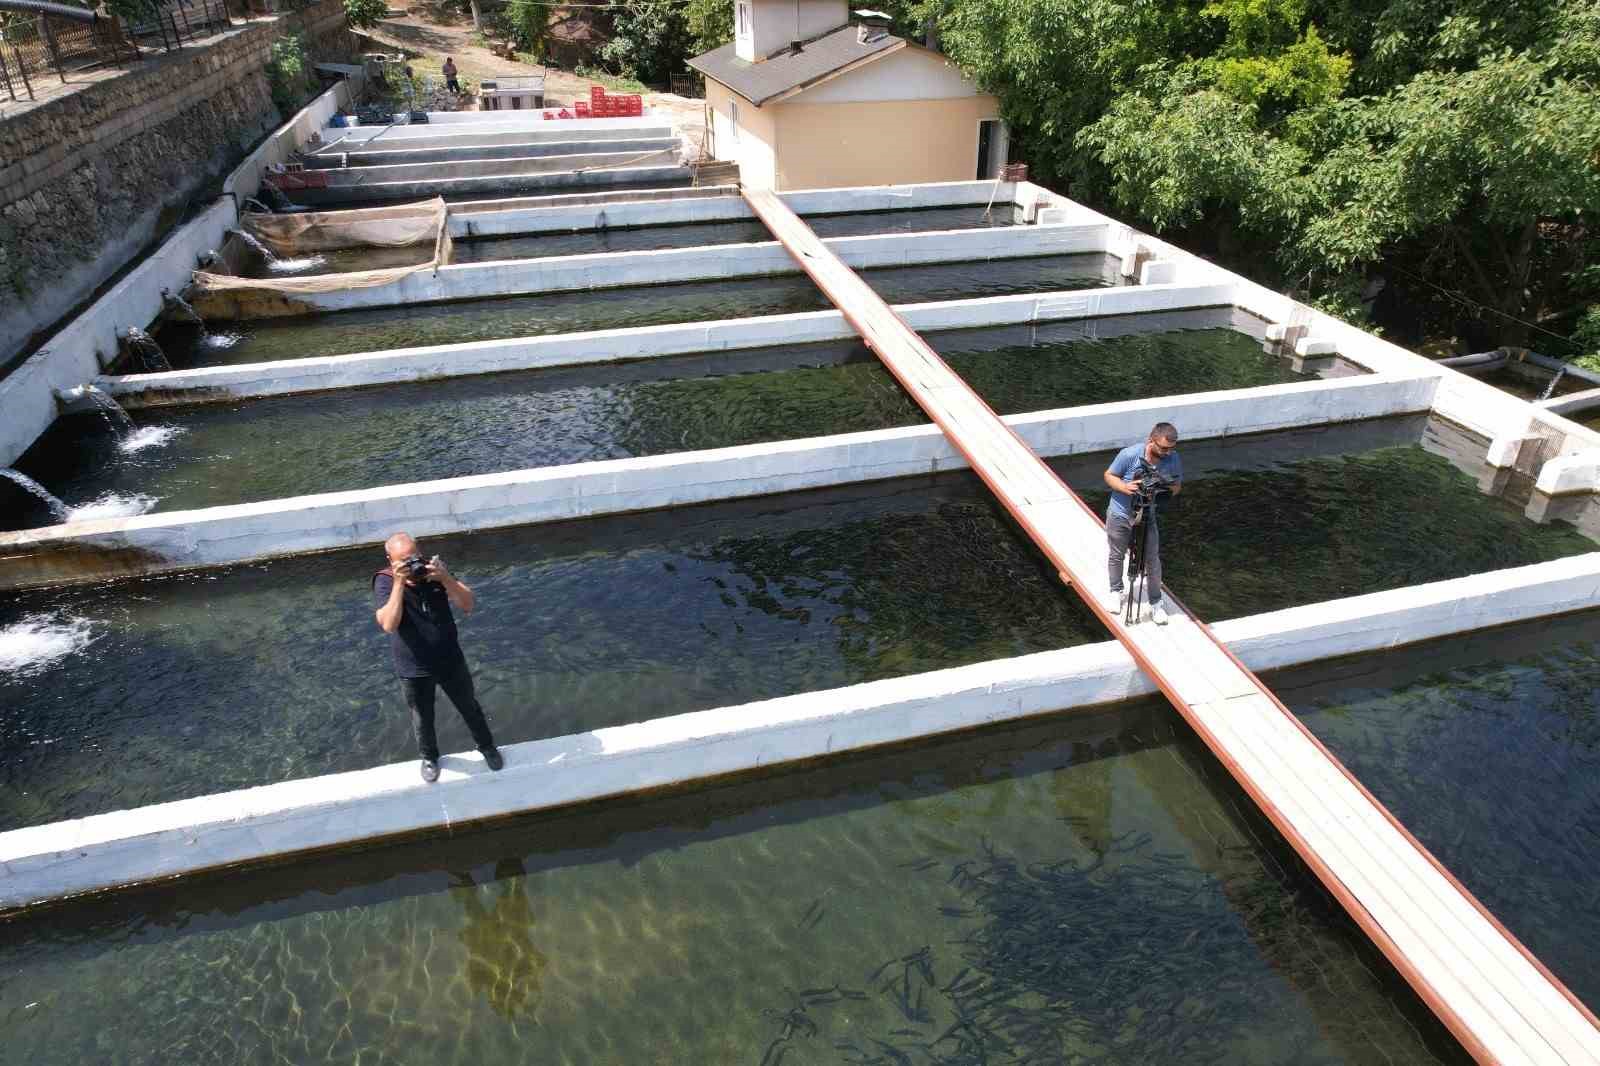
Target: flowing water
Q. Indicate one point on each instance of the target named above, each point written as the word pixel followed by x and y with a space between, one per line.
pixel 521 316
pixel 645 238
pixel 56 509
pixel 355 439
pixel 1487 747
pixel 232 677
pixel 152 358
pixel 1087 889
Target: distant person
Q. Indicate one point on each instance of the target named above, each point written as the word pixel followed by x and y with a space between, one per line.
pixel 450 75
pixel 413 598
pixel 1154 457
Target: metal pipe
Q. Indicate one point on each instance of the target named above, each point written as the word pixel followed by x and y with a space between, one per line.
pixel 1479 363
pixel 44 7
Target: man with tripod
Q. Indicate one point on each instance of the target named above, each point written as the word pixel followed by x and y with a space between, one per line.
pixel 1140 477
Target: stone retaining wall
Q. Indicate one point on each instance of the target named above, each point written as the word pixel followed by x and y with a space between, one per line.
pixel 90 178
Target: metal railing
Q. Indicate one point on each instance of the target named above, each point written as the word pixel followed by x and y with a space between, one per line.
pixel 37 45
pixel 180 23
pixel 692 86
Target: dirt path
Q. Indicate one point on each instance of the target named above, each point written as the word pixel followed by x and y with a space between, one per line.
pixel 437 31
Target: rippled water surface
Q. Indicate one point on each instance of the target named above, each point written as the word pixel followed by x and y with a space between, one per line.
pixel 350 439
pixel 382 328
pixel 1087 890
pixel 228 678
pixel 1487 746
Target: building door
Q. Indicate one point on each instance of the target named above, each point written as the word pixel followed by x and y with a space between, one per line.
pixel 991 148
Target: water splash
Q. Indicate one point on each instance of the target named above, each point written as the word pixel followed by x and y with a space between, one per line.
pixel 145 347
pixel 220 341
pixel 112 505
pixel 146 437
pixel 296 266
pixel 40 641
pixel 58 510
pixel 249 241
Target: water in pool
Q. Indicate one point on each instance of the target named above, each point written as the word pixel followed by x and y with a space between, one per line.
pixel 1487 747
pixel 1089 889
pixel 161 688
pixel 351 439
pixel 382 328
pixel 647 238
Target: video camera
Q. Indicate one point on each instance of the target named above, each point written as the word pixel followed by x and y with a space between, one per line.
pixel 414 567
pixel 1155 488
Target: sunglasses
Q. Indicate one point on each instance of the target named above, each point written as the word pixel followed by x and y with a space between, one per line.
pixel 1164 449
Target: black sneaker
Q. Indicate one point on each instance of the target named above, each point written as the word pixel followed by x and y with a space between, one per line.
pixel 493 757
pixel 430 770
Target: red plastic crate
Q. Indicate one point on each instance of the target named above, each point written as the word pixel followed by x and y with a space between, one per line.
pixel 597 92
pixel 582 108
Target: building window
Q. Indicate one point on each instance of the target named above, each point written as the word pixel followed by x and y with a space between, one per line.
pixel 743 12
pixel 733 118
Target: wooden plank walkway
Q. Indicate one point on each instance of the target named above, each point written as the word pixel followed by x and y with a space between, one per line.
pixel 1499 1001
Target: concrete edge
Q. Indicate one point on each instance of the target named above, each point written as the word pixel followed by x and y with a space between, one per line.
pixel 124 848
pixel 178 540
pixel 362 369
pixel 606 270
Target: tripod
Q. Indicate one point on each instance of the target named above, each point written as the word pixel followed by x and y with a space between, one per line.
pixel 1138 557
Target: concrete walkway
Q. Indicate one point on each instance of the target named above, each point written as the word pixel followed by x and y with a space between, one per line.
pixel 1486 987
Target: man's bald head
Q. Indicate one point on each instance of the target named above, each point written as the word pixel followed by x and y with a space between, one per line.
pixel 400 546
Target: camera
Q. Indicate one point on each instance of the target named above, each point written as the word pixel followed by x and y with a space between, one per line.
pixel 414 567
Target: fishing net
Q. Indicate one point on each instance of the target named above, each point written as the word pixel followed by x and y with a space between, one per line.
pixel 230 296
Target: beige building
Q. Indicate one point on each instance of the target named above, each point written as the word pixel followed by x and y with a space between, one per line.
pixel 805 99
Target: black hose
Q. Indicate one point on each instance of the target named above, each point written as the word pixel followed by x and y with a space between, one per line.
pixel 43 7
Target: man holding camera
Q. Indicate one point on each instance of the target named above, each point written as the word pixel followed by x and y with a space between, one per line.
pixel 1151 471
pixel 413 598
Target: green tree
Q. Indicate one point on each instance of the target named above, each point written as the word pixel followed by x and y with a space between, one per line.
pixel 365 13
pixel 1454 147
pixel 530 25
pixel 649 42
pixel 710 24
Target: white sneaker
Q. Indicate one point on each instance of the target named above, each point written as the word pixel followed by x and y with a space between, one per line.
pixel 1158 614
pixel 1116 599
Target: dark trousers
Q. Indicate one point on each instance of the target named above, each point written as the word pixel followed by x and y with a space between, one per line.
pixel 457 684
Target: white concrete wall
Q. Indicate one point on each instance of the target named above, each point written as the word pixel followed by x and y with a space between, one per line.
pixel 78 353
pixel 286 377
pixel 627 154
pixel 155 543
pixel 245 181
pixel 619 269
pixel 171 839
pixel 910 74
pixel 359 139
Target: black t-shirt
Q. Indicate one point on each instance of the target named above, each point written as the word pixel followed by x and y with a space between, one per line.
pixel 425 645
